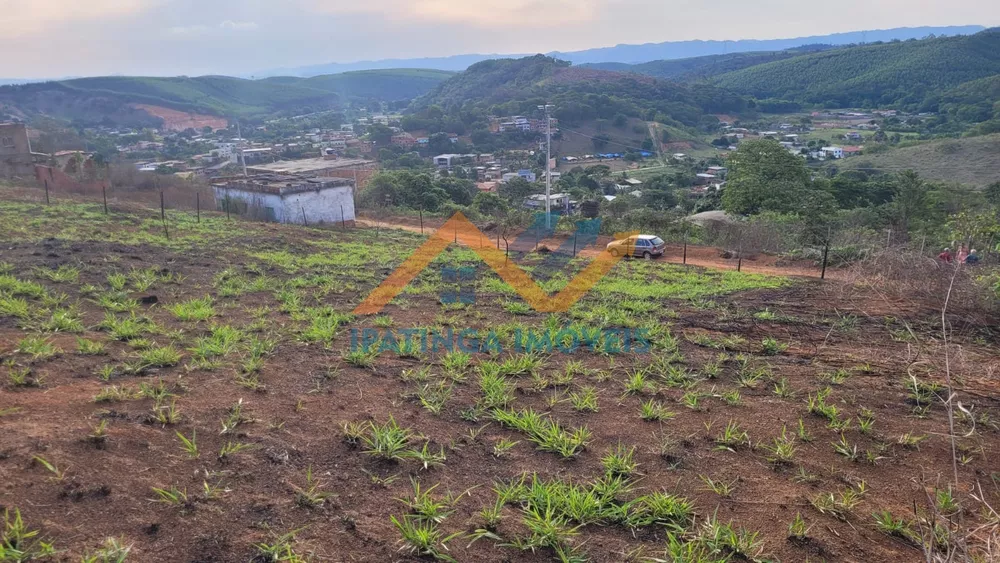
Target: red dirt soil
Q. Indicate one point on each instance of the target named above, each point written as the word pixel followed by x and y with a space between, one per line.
pixel 295 424
pixel 174 120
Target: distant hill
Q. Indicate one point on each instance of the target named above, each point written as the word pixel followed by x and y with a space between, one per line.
pixel 578 94
pixel 95 100
pixel 700 68
pixel 633 54
pixel 905 74
pixel 970 160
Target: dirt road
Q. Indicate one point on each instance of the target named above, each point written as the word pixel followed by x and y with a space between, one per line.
pixel 703 256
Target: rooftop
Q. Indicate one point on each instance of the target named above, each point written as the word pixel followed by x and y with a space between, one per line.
pixel 308 165
pixel 280 184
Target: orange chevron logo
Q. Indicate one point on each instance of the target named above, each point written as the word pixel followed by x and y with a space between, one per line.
pixel 459 229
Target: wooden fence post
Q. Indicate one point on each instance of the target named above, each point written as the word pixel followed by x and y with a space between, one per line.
pixel 104 194
pixel 46 192
pixel 197 205
pixel 826 252
pixel 685 260
pixel 163 217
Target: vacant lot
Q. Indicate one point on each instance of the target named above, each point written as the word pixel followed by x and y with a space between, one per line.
pixel 972 160
pixel 198 398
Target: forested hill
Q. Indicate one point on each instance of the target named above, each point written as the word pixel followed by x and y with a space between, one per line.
pixel 518 86
pixel 94 99
pixel 907 74
pixel 700 68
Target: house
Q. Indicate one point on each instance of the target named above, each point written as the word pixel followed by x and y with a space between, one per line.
pixel 704 178
pixel 556 201
pixel 527 175
pixel 326 167
pixel 449 160
pixel 256 155
pixel 852 150
pixel 288 198
pixel 792 138
pixel 717 170
pixel 768 133
pixel 404 140
pixel 833 152
pixel 679 155
pixel 852 136
pixel 486 186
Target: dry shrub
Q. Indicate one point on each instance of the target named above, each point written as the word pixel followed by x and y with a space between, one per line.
pixel 898 274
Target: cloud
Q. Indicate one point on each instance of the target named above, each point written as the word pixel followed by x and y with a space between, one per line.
pixel 238 25
pixel 202 29
pixel 26 17
pixel 510 14
pixel 197 29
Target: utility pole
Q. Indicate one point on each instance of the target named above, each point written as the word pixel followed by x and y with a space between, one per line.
pixel 548 167
pixel 239 147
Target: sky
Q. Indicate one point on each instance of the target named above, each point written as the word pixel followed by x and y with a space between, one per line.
pixel 58 38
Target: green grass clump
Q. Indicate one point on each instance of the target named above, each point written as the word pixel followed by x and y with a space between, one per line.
pixel 545 432
pixel 37 347
pixel 194 310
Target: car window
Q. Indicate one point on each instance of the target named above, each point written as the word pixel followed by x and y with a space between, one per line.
pixel 642 242
pixel 657 241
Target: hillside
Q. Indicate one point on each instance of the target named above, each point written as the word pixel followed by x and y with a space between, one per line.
pixel 578 94
pixel 389 85
pixel 634 54
pixel 699 68
pixel 971 160
pixel 109 99
pixel 902 74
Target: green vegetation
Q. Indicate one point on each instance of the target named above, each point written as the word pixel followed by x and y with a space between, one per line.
pixel 220 95
pixel 908 74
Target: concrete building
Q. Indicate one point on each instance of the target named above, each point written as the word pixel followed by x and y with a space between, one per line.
pixel 288 198
pixel 15 151
pixel 449 160
pixel 557 202
pixel 833 152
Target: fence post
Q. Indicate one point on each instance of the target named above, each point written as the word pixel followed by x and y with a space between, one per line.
pixel 574 244
pixel 343 219
pixel 888 238
pixel 739 261
pixel 685 247
pixel 46 192
pixel 303 210
pixel 421 211
pixel 227 203
pixel 163 217
pixel 826 252
pixel 104 194
pixel 197 205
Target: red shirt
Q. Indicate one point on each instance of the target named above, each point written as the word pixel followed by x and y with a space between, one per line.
pixel 945 256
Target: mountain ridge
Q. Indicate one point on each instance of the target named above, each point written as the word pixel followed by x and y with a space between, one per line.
pixel 636 53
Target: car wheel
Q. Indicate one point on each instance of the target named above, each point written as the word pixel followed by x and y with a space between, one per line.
pixel 614 252
pixel 646 255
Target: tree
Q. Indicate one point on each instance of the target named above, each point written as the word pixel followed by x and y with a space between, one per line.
pixel 763 176
pixel 909 198
pixel 992 193
pixel 515 190
pixel 489 204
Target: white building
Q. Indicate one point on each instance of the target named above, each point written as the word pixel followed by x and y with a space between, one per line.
pixel 446 160
pixel 833 152
pixel 557 201
pixel 288 198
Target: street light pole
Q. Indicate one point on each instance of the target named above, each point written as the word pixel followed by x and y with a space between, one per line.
pixel 548 167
